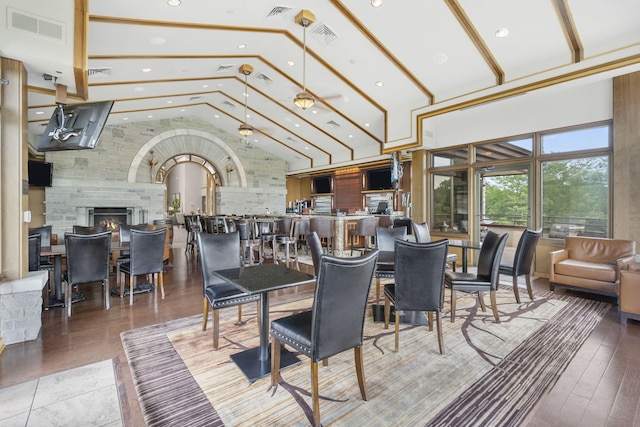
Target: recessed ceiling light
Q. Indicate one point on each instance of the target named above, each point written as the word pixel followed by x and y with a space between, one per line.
pixel 379 83
pixel 376 3
pixel 440 58
pixel 255 140
pixel 174 3
pixel 157 41
pixel 314 111
pixel 350 136
pixel 297 125
pixel 125 118
pixel 146 70
pixel 291 63
pixel 149 116
pixel 183 110
pixel 248 116
pixel 216 116
pixel 242 46
pixel 205 85
pixel 39 112
pixel 502 32
pixel 367 125
pixel 306 148
pixel 169 102
pixel 138 89
pixel 220 84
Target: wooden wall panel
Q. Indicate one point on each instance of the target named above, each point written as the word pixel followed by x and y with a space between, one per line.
pixel 347 191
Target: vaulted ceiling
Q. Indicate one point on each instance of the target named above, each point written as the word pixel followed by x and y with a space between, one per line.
pixel 375 72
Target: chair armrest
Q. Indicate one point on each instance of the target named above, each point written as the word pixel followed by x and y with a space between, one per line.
pixel 622 264
pixel 554 257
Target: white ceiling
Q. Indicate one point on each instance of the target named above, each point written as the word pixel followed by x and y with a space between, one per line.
pixel 430 55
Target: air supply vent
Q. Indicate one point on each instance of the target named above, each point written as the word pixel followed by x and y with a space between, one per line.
pixel 224 67
pixel 36 25
pixel 333 123
pixel 99 72
pixel 194 98
pixel 230 104
pixel 263 78
pixel 277 11
pixel 324 34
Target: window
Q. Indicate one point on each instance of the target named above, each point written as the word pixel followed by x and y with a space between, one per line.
pixel 450 201
pixel 457 156
pixel 504 150
pixel 576 140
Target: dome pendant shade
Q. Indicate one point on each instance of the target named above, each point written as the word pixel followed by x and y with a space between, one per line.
pixel 245 130
pixel 304 99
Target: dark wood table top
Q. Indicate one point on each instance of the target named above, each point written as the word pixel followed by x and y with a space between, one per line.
pixel 264 277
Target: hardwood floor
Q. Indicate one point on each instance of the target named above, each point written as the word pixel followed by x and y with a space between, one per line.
pixel 600 387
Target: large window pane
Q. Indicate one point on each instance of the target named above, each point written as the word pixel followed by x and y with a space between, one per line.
pixel 575 197
pixel 504 196
pixel 576 140
pixel 450 201
pixel 457 156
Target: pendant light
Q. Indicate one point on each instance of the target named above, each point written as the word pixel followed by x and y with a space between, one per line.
pixel 245 129
pixel 304 99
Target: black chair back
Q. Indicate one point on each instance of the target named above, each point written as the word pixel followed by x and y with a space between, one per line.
pixel 421 232
pixel 244 229
pixel 525 251
pixel 367 226
pixel 88 257
pixel 34 252
pixel 147 251
pixel 315 245
pixel 81 229
pixel 489 258
pixel 44 232
pixel 419 275
pixel 385 237
pixel 218 252
pixel 340 303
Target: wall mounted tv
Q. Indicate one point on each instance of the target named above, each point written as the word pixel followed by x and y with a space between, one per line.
pixel 379 179
pixel 322 185
pixel 75 127
pixel 40 173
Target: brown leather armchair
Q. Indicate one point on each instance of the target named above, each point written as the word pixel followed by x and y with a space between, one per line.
pixel 630 293
pixel 591 264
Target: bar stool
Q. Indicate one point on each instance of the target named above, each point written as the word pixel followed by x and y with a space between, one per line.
pixel 248 244
pixel 289 245
pixel 324 229
pixel 365 228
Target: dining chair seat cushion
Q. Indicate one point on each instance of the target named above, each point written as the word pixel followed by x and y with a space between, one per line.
pixel 298 327
pixel 467 279
pixel 452 258
pixel 225 294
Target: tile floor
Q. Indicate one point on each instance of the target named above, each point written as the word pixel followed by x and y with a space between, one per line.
pixel 83 396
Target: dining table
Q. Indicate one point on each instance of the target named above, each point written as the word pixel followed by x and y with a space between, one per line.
pixel 261 279
pixel 465 245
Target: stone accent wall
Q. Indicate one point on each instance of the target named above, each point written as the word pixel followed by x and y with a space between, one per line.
pixel 21 307
pixel 117 173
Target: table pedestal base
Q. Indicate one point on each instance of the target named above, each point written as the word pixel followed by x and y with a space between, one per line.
pixel 75 297
pixel 253 368
pixel 406 317
pixel 140 288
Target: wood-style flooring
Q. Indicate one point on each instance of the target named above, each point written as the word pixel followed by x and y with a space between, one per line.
pixel 600 387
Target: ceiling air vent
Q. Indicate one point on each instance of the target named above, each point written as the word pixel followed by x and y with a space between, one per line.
pixel 230 104
pixel 193 98
pixel 291 139
pixel 333 123
pixel 263 78
pixel 324 34
pixel 277 11
pixel 99 72
pixel 36 25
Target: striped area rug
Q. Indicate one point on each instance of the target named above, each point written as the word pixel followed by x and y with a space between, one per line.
pixel 491 374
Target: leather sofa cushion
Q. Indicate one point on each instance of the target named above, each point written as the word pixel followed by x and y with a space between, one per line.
pixel 599 249
pixel 589 270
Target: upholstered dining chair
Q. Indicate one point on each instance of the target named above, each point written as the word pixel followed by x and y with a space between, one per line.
pixel 124 237
pixel 34 252
pixel 82 229
pixel 146 257
pixel 385 241
pixel 333 325
pixel 486 277
pixel 423 235
pixel 46 263
pixel 88 261
pixel 220 252
pixel 521 263
pixel 365 228
pixel 315 245
pixel 419 283
pixel 324 229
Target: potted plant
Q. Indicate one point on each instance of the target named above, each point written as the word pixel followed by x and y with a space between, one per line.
pixel 175 204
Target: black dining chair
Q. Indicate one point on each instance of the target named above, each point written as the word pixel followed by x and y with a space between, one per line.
pixel 486 277
pixel 315 246
pixel 124 237
pixel 220 252
pixel 82 229
pixel 88 261
pixel 146 257
pixel 423 235
pixel 46 263
pixel 333 325
pixel 385 241
pixel 34 252
pixel 521 263
pixel 418 284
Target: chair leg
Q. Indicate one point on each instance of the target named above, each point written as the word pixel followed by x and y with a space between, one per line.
pixel 107 302
pixel 516 292
pixel 377 290
pixel 161 280
pixel 453 305
pixel 275 361
pixel 122 285
pixel 387 311
pixel 453 266
pixel 239 313
pixel 205 314
pixel 529 290
pixel 69 298
pixel 440 335
pixel 215 319
pixel 132 284
pixel 397 332
pixel 494 305
pixel 357 352
pixel 315 396
pixel 481 300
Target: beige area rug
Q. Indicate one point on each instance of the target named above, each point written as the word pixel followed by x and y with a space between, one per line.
pixel 491 374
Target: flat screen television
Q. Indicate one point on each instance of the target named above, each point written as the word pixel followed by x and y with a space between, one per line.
pixel 322 185
pixel 379 179
pixel 75 127
pixel 40 173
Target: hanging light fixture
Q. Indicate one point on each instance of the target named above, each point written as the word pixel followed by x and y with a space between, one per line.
pixel 245 129
pixel 304 99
